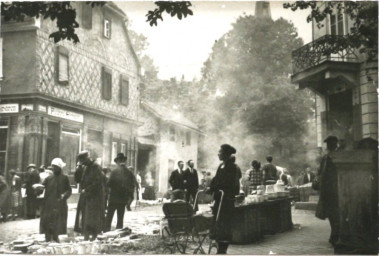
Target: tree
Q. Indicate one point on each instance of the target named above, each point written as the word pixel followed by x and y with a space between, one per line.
pixel 364 32
pixel 253 103
pixel 65 14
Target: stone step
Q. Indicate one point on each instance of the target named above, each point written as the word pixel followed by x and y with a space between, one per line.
pixel 306 206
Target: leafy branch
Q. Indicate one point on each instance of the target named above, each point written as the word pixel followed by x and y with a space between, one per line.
pixel 179 9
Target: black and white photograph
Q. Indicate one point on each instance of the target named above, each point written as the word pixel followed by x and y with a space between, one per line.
pixel 189 127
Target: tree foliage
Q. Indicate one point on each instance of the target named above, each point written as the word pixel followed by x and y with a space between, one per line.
pixel 179 8
pixel 364 14
pixel 253 103
pixel 65 14
pixel 62 12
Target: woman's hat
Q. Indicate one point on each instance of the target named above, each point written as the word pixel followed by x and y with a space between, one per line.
pixel 82 156
pixel 120 157
pixel 58 162
pixel 31 166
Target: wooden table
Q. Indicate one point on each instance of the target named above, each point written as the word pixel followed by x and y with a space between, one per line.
pixel 251 222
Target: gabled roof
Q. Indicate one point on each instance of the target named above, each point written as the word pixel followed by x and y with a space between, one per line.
pixel 169 115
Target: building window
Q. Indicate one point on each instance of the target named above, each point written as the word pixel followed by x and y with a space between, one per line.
pixel 188 138
pixel 106 83
pixel 172 133
pixel 336 24
pixel 114 151
pixel 87 16
pixel 3 142
pixel 62 65
pixel 124 91
pixel 107 28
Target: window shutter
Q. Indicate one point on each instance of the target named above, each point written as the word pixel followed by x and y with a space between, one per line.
pixel 87 16
pixel 124 91
pixel 63 68
pixel 107 84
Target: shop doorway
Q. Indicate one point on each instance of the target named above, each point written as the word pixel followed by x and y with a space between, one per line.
pixel 52 143
pixel 70 147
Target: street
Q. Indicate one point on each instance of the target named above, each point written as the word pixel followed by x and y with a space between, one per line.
pixel 309 236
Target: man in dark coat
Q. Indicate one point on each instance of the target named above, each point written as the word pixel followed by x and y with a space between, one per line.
pixel 270 173
pixel 119 184
pixel 227 180
pixel 32 177
pixel 90 210
pixel 327 206
pixel 191 181
pixel 54 207
pixel 177 177
pixel 308 176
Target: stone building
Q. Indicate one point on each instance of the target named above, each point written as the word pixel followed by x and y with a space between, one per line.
pixel 165 137
pixel 345 83
pixel 59 99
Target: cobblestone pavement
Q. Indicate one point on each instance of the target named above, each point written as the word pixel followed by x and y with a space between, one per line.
pixel 310 238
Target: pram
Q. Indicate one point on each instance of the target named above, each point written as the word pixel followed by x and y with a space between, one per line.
pixel 184 224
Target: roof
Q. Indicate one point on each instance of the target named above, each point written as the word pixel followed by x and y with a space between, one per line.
pixel 169 115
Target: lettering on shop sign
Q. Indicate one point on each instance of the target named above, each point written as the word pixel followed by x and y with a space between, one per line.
pixel 8 108
pixel 42 108
pixel 26 107
pixel 57 112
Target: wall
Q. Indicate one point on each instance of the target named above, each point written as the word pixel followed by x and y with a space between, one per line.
pixel 86 60
pixel 369 99
pixel 19 62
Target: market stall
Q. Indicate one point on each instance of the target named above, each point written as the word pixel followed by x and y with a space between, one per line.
pixel 266 212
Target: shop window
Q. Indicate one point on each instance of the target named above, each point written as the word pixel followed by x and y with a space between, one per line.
pixel 87 16
pixel 172 133
pixel 52 144
pixel 107 28
pixel 188 138
pixel 123 148
pixel 70 146
pixel 3 142
pixel 62 65
pixel 106 83
pixel 124 91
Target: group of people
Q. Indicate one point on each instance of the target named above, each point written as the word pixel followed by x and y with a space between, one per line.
pixel 100 196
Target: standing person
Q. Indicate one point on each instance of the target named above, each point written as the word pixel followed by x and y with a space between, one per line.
pixel 270 173
pixel 226 179
pixel 255 175
pixel 90 211
pixel 4 198
pixel 308 176
pixel 54 208
pixel 32 177
pixel 177 177
pixel 118 194
pixel 327 179
pixel 15 186
pixel 192 182
pixel 42 173
pixel 131 184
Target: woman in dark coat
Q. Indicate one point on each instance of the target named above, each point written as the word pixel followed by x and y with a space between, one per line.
pixel 90 211
pixel 32 177
pixel 227 180
pixel 54 208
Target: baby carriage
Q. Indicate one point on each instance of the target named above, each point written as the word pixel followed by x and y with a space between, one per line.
pixel 184 224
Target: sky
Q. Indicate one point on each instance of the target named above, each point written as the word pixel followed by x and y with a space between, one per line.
pixel 180 47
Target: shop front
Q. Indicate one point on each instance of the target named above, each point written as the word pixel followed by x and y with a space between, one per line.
pixel 37 132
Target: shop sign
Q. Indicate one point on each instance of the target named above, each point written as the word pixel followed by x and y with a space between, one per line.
pixel 57 112
pixel 42 108
pixel 8 108
pixel 25 107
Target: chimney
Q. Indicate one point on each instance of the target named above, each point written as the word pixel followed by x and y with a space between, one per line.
pixel 262 9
